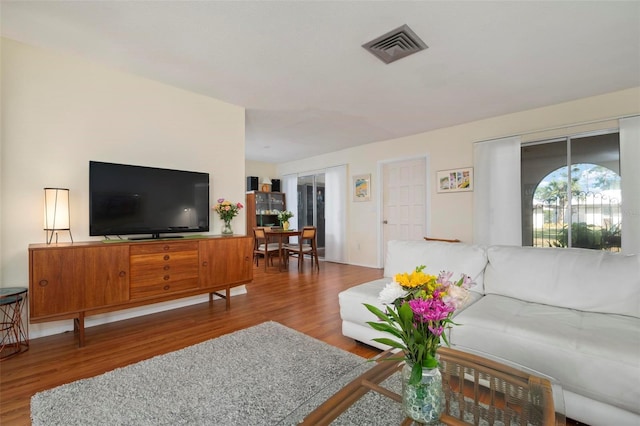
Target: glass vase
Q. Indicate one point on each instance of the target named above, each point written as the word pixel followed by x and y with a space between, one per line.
pixel 285 225
pixel 226 228
pixel 423 402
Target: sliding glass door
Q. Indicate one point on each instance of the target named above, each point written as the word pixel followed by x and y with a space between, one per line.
pixel 319 198
pixel 311 206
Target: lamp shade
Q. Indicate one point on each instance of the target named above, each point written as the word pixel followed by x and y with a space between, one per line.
pixel 56 209
pixel 266 181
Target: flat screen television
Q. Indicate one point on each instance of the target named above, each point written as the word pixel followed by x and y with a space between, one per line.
pixel 137 200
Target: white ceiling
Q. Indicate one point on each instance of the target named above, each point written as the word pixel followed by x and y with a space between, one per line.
pixel 309 87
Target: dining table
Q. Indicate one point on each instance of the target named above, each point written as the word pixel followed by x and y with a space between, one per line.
pixel 280 235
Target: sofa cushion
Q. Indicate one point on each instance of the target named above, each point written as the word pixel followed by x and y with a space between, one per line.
pixel 352 301
pixel 459 258
pixel 591 354
pixel 587 280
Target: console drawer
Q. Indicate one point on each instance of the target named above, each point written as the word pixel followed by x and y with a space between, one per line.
pixel 168 247
pixel 160 288
pixel 160 272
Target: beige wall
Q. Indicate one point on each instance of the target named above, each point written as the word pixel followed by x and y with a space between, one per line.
pixel 450 215
pixel 59 112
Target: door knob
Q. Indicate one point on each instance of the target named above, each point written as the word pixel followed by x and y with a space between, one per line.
pixel 385 222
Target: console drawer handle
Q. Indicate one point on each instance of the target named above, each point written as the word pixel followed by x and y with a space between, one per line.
pixel 43 283
pixel 166 248
pixel 166 267
pixel 166 287
pixel 167 257
pixel 205 263
pixel 166 278
pixel 122 273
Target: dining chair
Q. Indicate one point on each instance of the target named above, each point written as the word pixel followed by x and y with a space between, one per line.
pixel 263 248
pixel 306 246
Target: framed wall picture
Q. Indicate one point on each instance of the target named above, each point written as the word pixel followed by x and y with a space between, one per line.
pixel 362 187
pixel 455 180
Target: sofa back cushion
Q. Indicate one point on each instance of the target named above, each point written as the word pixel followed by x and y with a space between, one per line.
pixel 459 258
pixel 582 279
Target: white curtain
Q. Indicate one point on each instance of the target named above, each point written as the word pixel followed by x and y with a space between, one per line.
pixel 630 183
pixel 290 189
pixel 497 217
pixel 335 213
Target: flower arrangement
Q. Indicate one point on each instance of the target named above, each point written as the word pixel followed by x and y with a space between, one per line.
pixel 227 210
pixel 419 308
pixel 284 216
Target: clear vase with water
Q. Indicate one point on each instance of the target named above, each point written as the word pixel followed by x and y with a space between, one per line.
pixel 226 228
pixel 424 402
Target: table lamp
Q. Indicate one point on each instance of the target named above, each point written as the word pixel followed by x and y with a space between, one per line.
pixel 266 185
pixel 56 212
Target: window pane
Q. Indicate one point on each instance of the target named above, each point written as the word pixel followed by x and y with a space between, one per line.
pixel 577 206
pixel 595 208
pixel 541 228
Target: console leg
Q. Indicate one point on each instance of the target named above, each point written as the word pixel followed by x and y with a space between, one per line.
pixel 78 327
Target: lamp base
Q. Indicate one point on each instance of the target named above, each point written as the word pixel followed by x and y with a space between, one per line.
pixel 50 234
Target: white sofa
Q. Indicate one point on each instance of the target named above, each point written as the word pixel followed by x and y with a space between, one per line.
pixel 572 314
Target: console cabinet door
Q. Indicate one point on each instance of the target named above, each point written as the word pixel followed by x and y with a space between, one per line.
pixel 56 281
pixel 225 261
pixel 106 275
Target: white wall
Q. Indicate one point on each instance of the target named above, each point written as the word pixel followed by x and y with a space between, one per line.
pixel 59 112
pixel 448 148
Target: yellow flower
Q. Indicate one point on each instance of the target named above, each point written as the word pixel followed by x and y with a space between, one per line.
pixel 416 279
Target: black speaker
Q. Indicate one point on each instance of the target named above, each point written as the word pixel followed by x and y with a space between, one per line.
pixel 275 185
pixel 252 183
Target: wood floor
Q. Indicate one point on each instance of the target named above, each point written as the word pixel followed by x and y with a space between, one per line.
pixel 307 302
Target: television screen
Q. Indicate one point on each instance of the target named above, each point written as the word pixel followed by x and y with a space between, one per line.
pixel 127 200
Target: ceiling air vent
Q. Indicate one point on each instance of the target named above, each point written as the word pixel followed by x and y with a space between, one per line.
pixel 395 44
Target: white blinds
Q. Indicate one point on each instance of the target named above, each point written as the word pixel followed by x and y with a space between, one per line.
pixel 630 183
pixel 290 189
pixel 497 215
pixel 335 213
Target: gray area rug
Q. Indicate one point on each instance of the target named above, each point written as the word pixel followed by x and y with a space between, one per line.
pixel 264 375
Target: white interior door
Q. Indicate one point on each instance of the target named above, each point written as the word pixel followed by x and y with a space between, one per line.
pixel 404 201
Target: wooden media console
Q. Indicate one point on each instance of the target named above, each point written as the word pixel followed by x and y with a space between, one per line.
pixel 75 280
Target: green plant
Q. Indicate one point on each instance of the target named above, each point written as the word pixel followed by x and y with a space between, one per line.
pixel 284 216
pixel 588 236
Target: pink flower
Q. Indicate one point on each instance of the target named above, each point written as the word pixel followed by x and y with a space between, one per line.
pixel 436 331
pixel 456 296
pixel 239 205
pixel 220 200
pixel 429 310
pixel 445 278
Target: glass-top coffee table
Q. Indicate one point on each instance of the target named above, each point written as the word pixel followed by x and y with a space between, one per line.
pixel 479 389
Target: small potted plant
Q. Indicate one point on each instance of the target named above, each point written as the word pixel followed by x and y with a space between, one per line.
pixel 284 217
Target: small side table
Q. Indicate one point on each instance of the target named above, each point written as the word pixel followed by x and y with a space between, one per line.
pixel 14 331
